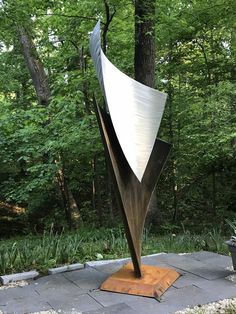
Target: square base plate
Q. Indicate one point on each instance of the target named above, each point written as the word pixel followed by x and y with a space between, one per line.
pixel 153 283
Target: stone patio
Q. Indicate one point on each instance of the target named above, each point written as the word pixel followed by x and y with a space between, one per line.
pixel 203 280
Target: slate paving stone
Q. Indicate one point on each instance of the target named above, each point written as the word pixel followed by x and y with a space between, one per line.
pixel 95 264
pixel 162 258
pixel 219 288
pixel 187 296
pixel 110 268
pixel 113 267
pixel 56 285
pixel 25 305
pixel 139 304
pixel 187 279
pixel 210 272
pixel 152 307
pixel 87 279
pixel 74 303
pixel 120 308
pixel 110 298
pixel 202 281
pixel 184 262
pixel 202 255
pixel 212 258
pixel 155 262
pixel 17 293
pixel 198 268
pixel 220 261
pixel 161 261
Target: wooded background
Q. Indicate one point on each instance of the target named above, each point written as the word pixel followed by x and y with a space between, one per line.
pixel 52 165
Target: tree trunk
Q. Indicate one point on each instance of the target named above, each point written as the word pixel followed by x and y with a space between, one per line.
pixel 42 89
pixel 35 67
pixel 97 200
pixel 144 55
pixel 144 70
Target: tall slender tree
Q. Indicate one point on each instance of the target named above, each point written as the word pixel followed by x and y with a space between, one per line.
pixel 144 68
pixel 42 89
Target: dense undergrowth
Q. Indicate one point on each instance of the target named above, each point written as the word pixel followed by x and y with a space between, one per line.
pixel 50 250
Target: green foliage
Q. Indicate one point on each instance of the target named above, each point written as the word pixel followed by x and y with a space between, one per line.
pixel 51 250
pixel 195 66
pixel 232 225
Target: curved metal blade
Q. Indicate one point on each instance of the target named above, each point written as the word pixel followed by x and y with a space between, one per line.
pixel 136 110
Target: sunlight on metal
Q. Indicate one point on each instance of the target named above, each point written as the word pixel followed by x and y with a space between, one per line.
pixel 136 110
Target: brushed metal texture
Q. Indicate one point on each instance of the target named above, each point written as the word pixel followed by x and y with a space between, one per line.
pixel 136 110
pixel 132 196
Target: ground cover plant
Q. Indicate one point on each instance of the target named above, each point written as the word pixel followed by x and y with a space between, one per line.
pixel 50 250
pixel 227 306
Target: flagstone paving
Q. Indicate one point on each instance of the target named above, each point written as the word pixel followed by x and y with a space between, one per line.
pixel 203 280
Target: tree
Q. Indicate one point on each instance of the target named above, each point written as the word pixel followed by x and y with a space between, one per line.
pixel 144 69
pixel 55 130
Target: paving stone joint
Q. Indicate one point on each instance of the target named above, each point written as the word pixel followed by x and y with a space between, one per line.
pixel 204 279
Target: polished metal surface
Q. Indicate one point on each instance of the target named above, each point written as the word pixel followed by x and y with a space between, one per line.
pixel 95 51
pixel 136 110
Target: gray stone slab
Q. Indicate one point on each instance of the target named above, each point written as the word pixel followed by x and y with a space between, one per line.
pixel 120 308
pixel 18 276
pixel 212 258
pixel 57 270
pixel 76 266
pixel 207 271
pixel 152 306
pixel 187 296
pixel 76 291
pixel 62 269
pixel 163 265
pixel 162 261
pixel 184 262
pixel 105 262
pixel 56 285
pixel 161 258
pixel 88 278
pixel 202 255
pixel 110 298
pixel 139 304
pixel 25 305
pixel 219 288
pixel 17 293
pixel 220 261
pixel 210 272
pixel 154 255
pixel 73 303
pixel 153 259
pixel 111 267
pixel 157 309
pixel 188 279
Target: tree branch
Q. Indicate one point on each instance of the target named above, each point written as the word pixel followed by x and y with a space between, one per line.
pixel 109 18
pixel 72 16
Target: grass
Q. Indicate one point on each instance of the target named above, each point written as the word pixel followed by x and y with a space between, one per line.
pixel 52 250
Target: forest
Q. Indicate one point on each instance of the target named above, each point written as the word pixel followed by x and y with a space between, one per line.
pixel 53 172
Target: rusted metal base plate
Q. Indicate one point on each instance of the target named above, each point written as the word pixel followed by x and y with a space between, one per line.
pixel 154 282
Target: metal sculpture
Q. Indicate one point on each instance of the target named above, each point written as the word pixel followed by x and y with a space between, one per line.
pixel 129 127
